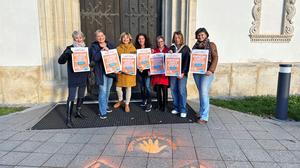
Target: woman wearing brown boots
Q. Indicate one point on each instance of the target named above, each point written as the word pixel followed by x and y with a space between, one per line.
pixel 125 80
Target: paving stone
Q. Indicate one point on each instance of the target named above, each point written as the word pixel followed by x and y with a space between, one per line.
pixel 9 145
pixel 134 162
pixel 3 166
pixel 180 126
pixel 211 164
pixel 241 134
pixel 226 143
pixel 261 135
pixel 49 147
pixel 291 145
pixel 198 127
pixel 265 165
pixel 13 158
pixel 35 159
pixel 105 130
pixel 124 131
pixel 248 144
pixel 178 163
pixel 271 144
pixel 208 154
pixel 83 161
pixel 183 141
pixel 289 165
pixel 90 131
pixel 41 136
pixel 253 126
pixel 22 136
pixel 28 146
pixel 257 155
pixel 161 132
pixel 283 156
pixel 201 133
pixel 296 153
pixel 181 132
pixel 161 163
pixel 221 134
pixel 235 127
pixel 232 154
pixel 114 150
pixel 142 132
pixel 7 134
pixel 101 139
pixel 60 137
pixel 120 139
pixel 92 149
pixel 109 161
pixel 203 141
pixel 79 138
pixel 184 153
pixel 70 149
pixel 59 160
pixel 2 153
pixel 234 164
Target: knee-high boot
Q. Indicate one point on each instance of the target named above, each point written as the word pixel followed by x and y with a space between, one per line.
pixel 69 114
pixel 78 108
pixel 165 98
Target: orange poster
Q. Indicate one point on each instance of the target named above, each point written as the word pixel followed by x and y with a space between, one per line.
pixel 157 64
pixel 143 56
pixel 111 61
pixel 173 64
pixel 128 64
pixel 198 63
pixel 80 59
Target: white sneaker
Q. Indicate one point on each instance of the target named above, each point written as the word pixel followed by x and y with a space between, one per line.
pixel 183 115
pixel 174 112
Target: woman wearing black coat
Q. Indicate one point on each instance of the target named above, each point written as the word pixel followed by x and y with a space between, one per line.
pixel 77 81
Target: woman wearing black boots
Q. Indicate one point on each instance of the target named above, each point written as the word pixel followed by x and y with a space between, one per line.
pixel 76 80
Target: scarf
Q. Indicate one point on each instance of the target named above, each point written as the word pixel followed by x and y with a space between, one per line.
pixel 204 45
pixel 76 44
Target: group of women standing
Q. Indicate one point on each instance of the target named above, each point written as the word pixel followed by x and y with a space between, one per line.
pixel 78 81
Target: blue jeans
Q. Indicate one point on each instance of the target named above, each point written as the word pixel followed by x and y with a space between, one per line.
pixel 179 93
pixel 203 83
pixel 104 91
pixel 145 88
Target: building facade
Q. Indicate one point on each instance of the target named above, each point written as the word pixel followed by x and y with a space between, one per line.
pixel 253 38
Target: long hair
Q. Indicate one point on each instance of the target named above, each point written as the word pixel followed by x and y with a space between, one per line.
pixel 147 41
pixel 178 33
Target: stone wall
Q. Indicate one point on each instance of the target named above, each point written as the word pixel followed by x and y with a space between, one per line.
pixel 25 85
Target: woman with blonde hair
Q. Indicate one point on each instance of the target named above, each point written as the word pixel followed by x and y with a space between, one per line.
pixel 77 81
pixel 125 80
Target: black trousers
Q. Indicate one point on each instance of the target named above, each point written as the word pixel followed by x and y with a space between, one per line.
pixel 72 92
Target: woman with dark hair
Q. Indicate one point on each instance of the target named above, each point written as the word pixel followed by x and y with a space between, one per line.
pixel 103 80
pixel 204 81
pixel 141 42
pixel 178 84
pixel 161 82
pixel 77 81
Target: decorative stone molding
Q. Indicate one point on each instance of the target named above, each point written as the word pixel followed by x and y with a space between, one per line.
pixel 287 27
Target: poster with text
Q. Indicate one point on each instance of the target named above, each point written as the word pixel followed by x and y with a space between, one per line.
pixel 143 56
pixel 157 64
pixel 198 63
pixel 111 61
pixel 80 59
pixel 128 64
pixel 173 64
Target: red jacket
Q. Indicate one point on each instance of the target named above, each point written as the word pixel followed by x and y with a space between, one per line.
pixel 160 79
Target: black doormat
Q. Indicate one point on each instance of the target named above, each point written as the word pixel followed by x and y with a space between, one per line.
pixel 55 119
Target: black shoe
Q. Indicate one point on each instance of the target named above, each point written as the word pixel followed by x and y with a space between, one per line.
pixel 69 122
pixel 78 109
pixel 143 104
pixel 148 108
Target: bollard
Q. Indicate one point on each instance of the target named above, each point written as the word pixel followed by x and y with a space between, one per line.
pixel 283 89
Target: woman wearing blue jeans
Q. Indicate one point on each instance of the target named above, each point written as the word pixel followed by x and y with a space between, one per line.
pixel 204 81
pixel 104 81
pixel 178 84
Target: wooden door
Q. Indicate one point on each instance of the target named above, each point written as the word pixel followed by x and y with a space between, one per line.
pixel 116 16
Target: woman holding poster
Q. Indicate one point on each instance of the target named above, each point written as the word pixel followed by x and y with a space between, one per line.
pixel 142 42
pixel 203 81
pixel 77 81
pixel 125 80
pixel 103 80
pixel 178 84
pixel 161 82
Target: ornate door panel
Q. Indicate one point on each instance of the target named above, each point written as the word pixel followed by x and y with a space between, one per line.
pixel 117 16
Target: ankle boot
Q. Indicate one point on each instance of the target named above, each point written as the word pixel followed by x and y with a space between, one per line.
pixel 165 100
pixel 118 104
pixel 78 109
pixel 69 122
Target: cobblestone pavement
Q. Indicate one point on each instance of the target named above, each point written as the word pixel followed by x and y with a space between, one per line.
pixel 230 139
